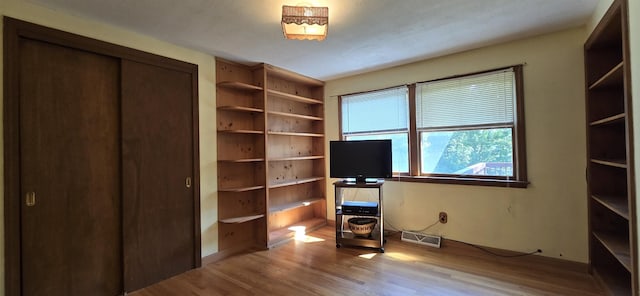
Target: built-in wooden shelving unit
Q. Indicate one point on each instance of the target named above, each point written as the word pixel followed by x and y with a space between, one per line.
pixel 270 155
pixel 295 153
pixel 612 209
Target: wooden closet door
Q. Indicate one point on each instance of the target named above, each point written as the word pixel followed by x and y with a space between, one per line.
pixel 71 238
pixel 157 147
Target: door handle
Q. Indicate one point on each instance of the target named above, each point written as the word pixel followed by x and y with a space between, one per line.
pixel 30 199
pixel 187 182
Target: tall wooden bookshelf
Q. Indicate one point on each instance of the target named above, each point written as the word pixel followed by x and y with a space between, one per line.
pixel 241 157
pixel 296 195
pixel 271 172
pixel 611 188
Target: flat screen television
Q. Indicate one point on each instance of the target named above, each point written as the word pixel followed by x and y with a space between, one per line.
pixel 366 160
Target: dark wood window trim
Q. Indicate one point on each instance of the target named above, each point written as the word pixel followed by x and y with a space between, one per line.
pixel 14 31
pixel 519 180
pixel 462 181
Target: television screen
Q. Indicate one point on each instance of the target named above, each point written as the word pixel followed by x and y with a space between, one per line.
pixel 360 159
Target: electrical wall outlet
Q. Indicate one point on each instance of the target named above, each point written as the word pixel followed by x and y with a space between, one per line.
pixel 442 217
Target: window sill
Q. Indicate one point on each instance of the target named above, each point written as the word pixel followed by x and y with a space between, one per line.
pixel 462 181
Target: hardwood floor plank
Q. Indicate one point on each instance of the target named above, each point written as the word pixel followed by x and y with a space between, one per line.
pixel 317 267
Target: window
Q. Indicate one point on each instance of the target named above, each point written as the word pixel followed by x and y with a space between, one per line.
pixel 467 129
pixel 378 115
pixel 465 125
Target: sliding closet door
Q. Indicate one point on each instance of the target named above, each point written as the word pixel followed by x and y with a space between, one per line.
pixel 158 186
pixel 71 240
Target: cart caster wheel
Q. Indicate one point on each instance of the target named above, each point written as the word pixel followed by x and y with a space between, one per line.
pixel 338 246
pixel 381 250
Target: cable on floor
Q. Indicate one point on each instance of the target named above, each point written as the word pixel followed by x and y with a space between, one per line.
pixel 494 253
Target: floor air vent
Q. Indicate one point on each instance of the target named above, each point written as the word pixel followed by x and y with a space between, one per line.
pixel 423 239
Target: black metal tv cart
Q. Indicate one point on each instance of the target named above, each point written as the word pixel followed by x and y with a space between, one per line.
pixel 343 235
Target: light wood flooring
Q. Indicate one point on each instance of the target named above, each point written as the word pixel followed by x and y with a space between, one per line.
pixel 317 267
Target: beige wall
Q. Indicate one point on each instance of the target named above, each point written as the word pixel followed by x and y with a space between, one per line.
pixel 551 214
pixel 206 81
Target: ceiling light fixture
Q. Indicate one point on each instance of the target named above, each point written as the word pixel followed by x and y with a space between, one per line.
pixel 304 22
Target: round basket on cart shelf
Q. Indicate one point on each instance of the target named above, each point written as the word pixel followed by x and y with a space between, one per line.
pixel 362 226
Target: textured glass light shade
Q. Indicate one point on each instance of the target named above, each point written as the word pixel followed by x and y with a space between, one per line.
pixel 299 22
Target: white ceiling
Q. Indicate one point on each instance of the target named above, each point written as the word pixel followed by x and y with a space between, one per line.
pixel 364 35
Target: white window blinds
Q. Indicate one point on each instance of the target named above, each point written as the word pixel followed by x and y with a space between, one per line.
pixel 487 98
pixel 377 111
